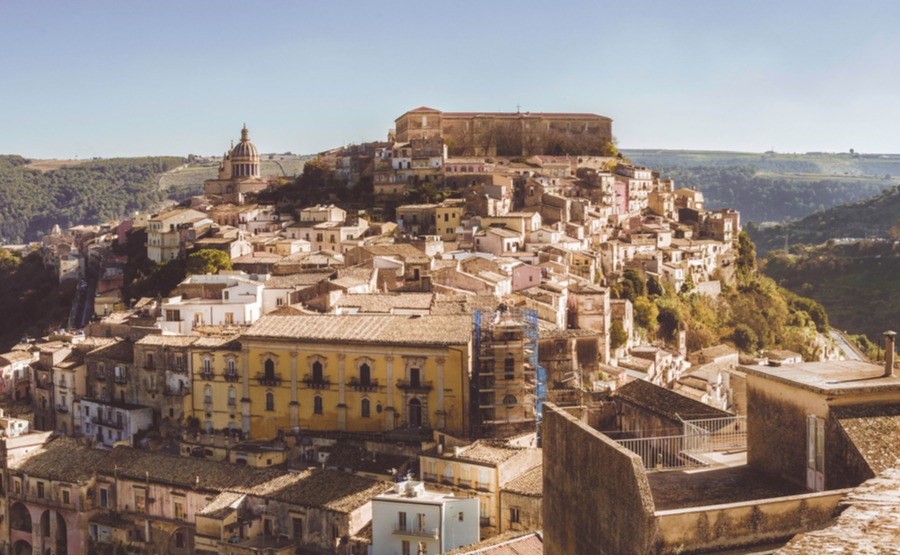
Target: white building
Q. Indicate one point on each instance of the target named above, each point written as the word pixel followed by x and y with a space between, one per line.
pixel 410 520
pixel 110 422
pixel 217 299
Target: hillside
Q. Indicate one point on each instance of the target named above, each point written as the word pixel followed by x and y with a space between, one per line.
pixel 858 284
pixel 32 200
pixel 188 180
pixel 771 187
pixel 873 217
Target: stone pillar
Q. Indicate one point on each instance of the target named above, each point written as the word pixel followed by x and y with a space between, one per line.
pixel 389 410
pixel 342 395
pixel 295 404
pixel 440 413
pixel 52 515
pixel 245 399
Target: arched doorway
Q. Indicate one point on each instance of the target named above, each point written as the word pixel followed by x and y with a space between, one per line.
pixel 181 541
pixel 20 518
pixel 62 535
pixel 415 413
pixel 22 547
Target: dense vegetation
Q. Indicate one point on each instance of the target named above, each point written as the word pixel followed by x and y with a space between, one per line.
pixel 30 299
pixel 877 216
pixel 31 202
pixel 858 284
pixel 753 314
pixel 770 197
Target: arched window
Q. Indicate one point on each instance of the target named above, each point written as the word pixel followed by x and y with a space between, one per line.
pixel 317 375
pixel 207 365
pixel 365 408
pixel 270 401
pixel 230 366
pixel 318 408
pixel 207 394
pixel 232 396
pixel 270 369
pixel 509 400
pixel 509 366
pixel 365 374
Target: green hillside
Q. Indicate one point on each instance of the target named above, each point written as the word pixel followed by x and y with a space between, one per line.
pixel 32 201
pixel 858 284
pixel 773 187
pixel 874 217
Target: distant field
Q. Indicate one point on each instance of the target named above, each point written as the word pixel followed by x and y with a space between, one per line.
pixel 52 164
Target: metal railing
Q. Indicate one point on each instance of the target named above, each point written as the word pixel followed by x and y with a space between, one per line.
pixel 700 437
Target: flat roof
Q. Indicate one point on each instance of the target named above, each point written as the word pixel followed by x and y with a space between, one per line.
pixel 673 490
pixel 829 377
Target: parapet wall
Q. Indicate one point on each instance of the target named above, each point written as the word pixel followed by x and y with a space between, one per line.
pixel 597 498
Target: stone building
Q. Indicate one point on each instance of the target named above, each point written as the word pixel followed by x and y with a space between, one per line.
pixel 507 133
pixel 238 173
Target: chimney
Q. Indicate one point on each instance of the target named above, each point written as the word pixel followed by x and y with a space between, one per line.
pixel 889 353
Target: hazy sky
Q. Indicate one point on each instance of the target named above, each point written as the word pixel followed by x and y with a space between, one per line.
pixel 113 78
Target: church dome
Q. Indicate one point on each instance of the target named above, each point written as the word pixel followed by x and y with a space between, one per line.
pixel 244 157
pixel 245 150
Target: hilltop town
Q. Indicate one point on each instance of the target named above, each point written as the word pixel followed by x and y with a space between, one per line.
pixel 486 327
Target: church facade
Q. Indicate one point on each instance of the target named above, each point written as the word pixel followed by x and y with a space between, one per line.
pixel 238 173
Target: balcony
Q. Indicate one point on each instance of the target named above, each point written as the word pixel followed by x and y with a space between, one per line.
pixel 271 379
pixel 317 383
pixel 121 379
pixel 369 386
pixel 206 375
pixel 414 385
pixel 424 532
pixel 62 409
pixel 231 376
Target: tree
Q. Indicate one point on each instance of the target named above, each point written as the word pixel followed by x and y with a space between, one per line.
pixel 208 261
pixel 618 337
pixel 632 286
pixel 645 314
pixel 746 260
pixel 669 317
pixel 745 338
pixel 655 287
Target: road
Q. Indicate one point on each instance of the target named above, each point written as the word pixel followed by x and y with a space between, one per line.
pixel 851 352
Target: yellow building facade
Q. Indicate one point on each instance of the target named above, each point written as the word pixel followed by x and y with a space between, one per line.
pixel 356 373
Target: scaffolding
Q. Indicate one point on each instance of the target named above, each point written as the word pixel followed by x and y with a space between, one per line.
pixel 509 385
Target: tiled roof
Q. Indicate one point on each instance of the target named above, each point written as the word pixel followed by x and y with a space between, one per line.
pixel 62 459
pixel 387 329
pixel 489 451
pixel 165 340
pixel 222 505
pixel 122 350
pixel 286 281
pixel 511 542
pixel 530 483
pixel 384 302
pixel 182 472
pixel 322 488
pixel 868 526
pixel 664 402
pixel 874 430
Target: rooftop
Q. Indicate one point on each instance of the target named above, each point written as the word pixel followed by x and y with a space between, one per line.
pixel 664 402
pixel 874 430
pixel 384 329
pixel 62 459
pixel 492 452
pixel 720 485
pixel 829 377
pixel 385 302
pixel 869 525
pixel 530 483
pixel 511 542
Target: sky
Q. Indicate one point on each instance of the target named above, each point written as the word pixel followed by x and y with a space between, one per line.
pixel 110 78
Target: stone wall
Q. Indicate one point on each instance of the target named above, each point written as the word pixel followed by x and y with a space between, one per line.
pixel 596 496
pixel 530 512
pixel 725 526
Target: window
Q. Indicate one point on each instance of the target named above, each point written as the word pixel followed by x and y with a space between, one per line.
pixel 365 374
pixel 230 366
pixel 297 528
pixel 509 401
pixel 207 394
pixel 414 377
pixel 40 489
pixel 401 521
pixel 270 401
pixel 509 366
pixel 179 540
pixel 365 408
pixel 232 396
pixel 178 509
pixel 17 486
pixel 140 500
pixel 317 405
pixel 179 362
pixel 207 366
pixel 514 515
pixel 317 375
pixel 420 522
pixel 404 549
pixel 269 369
pixel 229 318
pixel 66 497
pixel 448 472
pixel 461 516
pixel 104 497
